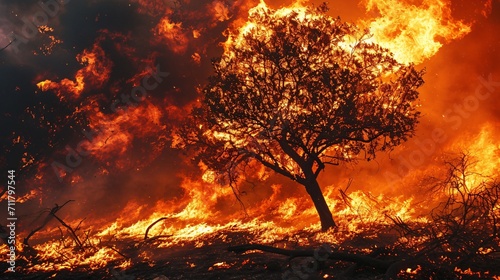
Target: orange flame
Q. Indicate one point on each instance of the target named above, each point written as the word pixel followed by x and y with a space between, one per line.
pixel 173 35
pixel 95 72
pixel 414 32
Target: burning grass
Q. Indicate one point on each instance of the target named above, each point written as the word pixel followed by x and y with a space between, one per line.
pixel 457 239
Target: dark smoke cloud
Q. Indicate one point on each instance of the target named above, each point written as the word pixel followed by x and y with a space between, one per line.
pixel 36 125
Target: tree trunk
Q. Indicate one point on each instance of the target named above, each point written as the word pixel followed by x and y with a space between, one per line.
pixel 319 201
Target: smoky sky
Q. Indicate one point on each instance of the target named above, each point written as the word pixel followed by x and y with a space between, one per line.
pixel 37 126
pixel 77 25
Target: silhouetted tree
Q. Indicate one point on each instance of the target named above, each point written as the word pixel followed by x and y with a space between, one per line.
pixel 296 90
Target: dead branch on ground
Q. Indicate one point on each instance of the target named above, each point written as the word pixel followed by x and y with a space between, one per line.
pixel 341 256
pixel 151 225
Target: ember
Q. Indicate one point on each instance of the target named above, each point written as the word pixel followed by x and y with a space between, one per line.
pixel 250 139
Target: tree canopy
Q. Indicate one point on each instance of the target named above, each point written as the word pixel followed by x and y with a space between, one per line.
pixel 296 90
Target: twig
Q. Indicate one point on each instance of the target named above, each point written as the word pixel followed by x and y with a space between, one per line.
pixel 75 237
pixel 120 253
pixel 151 225
pixel 45 222
pixel 10 43
pixel 344 196
pixel 401 224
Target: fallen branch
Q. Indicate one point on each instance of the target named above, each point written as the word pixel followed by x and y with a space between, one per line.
pixel 341 256
pixel 151 225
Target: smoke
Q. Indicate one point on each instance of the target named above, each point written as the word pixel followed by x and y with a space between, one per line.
pixel 47 126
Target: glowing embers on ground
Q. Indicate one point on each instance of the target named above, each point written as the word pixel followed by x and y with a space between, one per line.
pixel 196 220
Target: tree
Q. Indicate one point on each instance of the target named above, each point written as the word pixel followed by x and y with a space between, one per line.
pixel 296 90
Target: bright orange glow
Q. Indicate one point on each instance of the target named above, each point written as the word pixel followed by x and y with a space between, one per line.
pixel 95 71
pixel 199 208
pixel 414 32
pixel 485 152
pixel 116 133
pixel 173 34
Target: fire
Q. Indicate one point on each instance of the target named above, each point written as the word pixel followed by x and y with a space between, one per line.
pixel 220 11
pixel 258 207
pixel 173 34
pixel 96 71
pixel 249 26
pixel 485 148
pixel 115 133
pixel 414 32
pixel 32 194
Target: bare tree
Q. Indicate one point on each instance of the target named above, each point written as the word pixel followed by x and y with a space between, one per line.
pixel 299 90
pixel 467 222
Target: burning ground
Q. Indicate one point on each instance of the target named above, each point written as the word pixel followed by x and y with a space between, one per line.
pixel 91 103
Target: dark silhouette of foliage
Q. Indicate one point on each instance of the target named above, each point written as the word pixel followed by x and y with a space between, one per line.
pixel 299 90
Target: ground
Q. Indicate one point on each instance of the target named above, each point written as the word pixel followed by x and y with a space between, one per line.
pixel 210 259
